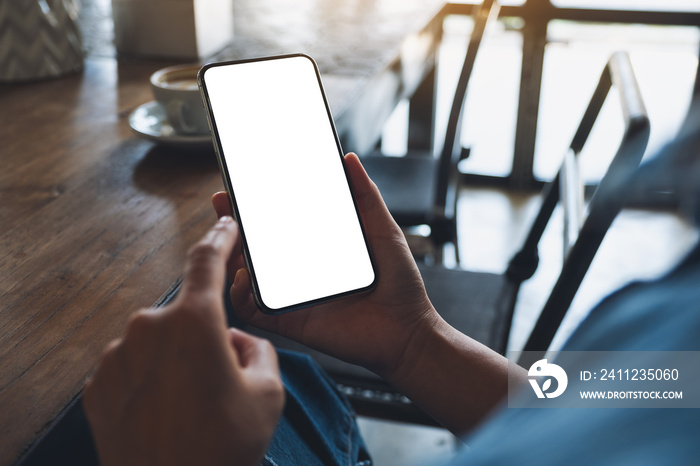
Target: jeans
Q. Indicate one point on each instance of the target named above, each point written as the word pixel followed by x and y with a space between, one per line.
pixel 318 425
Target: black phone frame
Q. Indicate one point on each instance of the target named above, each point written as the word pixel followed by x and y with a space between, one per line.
pixel 232 199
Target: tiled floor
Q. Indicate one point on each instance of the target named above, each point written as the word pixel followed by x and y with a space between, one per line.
pixel 641 244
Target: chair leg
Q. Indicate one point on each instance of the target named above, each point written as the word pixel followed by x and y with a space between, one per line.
pixel 455 242
pixel 439 254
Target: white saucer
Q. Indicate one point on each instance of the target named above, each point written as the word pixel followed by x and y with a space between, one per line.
pixel 150 121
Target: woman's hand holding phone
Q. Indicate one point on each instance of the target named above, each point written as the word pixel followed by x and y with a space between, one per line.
pixel 303 240
pixel 376 329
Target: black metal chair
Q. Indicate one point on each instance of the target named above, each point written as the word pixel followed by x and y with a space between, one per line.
pixel 481 304
pixel 419 188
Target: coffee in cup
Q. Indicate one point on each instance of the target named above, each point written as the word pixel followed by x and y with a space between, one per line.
pixel 175 88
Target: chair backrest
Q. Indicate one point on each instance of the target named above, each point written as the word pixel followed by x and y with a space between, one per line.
pixel 584 235
pixel 447 177
pixel 696 87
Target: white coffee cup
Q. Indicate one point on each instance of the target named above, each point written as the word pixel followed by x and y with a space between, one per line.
pixel 175 88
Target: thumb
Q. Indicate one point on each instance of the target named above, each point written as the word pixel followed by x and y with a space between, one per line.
pixel 375 215
pixel 253 352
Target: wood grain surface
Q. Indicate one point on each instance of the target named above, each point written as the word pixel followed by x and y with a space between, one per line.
pixel 95 222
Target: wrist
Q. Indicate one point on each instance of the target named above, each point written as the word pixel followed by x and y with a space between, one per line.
pixel 450 376
pixel 419 338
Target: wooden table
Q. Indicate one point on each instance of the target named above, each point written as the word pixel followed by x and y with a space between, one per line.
pixel 95 222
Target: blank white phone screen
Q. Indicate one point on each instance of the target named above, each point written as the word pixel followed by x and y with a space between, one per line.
pixel 294 204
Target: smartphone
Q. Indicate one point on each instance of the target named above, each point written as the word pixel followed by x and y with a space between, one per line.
pixel 282 165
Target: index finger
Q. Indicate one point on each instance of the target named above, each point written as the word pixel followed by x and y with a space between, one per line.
pixel 205 271
pixel 222 206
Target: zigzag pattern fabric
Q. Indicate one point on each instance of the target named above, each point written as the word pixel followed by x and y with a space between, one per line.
pixel 39 39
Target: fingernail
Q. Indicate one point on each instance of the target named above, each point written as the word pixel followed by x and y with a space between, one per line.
pixel 237 277
pixel 225 219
